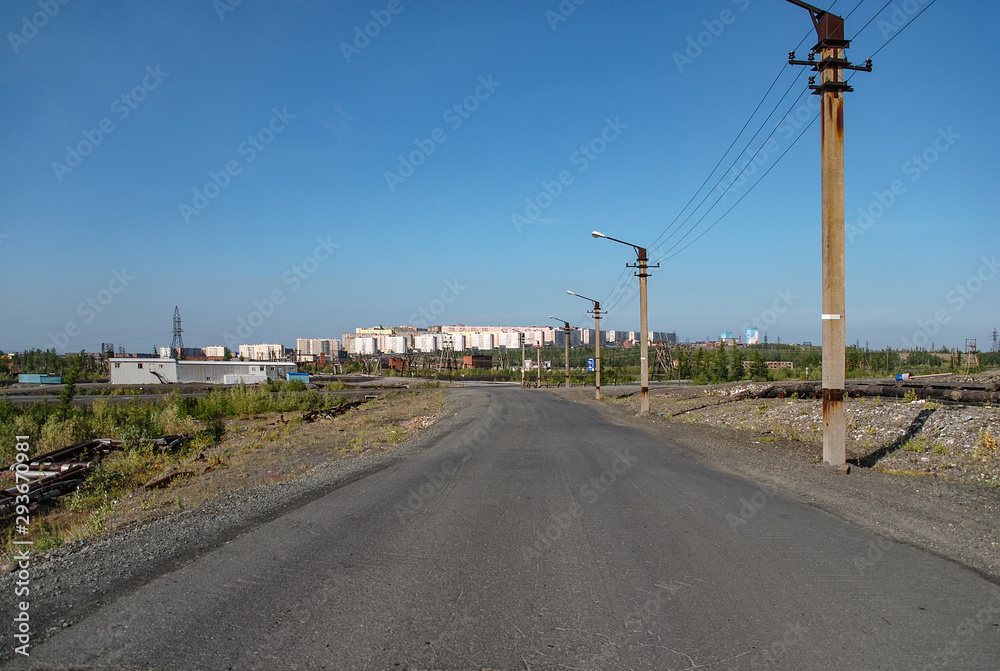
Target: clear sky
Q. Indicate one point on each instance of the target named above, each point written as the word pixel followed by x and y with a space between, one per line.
pixel 278 173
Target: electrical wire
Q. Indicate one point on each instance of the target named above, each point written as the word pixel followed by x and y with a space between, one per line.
pixel 620 288
pixel 670 253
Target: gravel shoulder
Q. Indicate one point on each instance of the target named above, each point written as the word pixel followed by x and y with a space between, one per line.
pixel 73 581
pixel 954 518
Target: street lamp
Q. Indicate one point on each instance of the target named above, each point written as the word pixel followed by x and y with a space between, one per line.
pixel 642 265
pixel 566 330
pixel 597 355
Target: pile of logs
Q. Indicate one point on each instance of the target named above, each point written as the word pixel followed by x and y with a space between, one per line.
pixel 945 392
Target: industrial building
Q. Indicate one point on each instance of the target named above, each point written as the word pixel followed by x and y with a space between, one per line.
pixel 172 371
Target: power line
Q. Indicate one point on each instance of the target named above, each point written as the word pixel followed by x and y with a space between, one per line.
pixel 668 251
pixel 616 305
pixel 620 291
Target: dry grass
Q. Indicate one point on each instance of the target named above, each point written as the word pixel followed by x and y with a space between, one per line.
pixel 271 448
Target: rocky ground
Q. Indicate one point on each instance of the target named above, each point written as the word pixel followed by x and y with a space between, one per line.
pixel 956 442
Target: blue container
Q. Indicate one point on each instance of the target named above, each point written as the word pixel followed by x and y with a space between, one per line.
pixel 39 378
pixel 301 377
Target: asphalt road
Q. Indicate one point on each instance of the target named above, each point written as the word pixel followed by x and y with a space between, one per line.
pixel 539 537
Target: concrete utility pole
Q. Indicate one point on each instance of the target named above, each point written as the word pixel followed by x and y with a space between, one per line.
pixel 566 330
pixel 538 367
pixel 597 346
pixel 831 89
pixel 642 264
pixel 522 361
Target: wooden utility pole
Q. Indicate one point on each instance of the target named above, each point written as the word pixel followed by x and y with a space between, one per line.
pixel 831 89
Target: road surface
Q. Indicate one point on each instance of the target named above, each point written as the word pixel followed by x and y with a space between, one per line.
pixel 541 536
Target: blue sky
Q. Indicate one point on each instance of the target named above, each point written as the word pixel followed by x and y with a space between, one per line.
pixel 238 161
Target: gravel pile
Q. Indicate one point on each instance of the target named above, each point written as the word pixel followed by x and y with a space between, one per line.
pixel 918 438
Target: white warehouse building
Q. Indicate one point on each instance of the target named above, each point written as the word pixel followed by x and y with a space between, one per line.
pixel 171 371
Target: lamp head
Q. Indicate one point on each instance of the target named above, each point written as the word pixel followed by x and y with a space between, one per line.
pixel 598 234
pixel 570 293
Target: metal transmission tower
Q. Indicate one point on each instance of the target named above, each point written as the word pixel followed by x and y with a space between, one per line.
pixel 971 356
pixel 831 89
pixel 447 358
pixel 664 359
pixel 177 344
pixel 996 342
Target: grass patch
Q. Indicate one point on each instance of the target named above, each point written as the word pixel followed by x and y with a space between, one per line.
pixel 236 445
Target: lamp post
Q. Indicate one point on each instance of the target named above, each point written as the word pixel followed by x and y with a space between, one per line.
pixel 566 330
pixel 642 265
pixel 597 354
